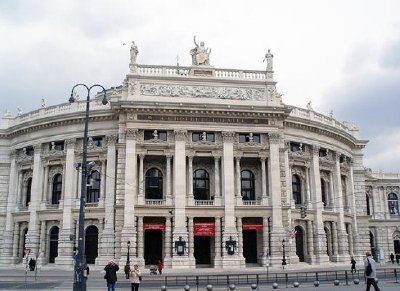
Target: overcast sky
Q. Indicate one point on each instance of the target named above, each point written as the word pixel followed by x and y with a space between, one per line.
pixel 341 55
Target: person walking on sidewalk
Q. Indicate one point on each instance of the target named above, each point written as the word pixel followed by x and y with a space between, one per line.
pixel 135 278
pixel 111 275
pixel 353 265
pixel 370 272
pixel 160 266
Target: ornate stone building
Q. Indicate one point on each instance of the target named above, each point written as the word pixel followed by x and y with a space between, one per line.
pixel 195 166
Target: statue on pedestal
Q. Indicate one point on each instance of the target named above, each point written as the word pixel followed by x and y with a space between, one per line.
pixel 269 57
pixel 134 52
pixel 200 54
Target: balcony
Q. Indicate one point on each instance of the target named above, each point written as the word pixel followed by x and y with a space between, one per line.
pixel 204 202
pixel 154 202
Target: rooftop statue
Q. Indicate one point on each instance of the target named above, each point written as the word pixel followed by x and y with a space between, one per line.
pixel 200 54
pixel 269 57
pixel 134 52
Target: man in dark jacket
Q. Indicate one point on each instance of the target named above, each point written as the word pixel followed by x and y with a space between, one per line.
pixel 111 275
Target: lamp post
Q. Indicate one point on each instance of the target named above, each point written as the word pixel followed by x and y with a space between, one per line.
pixel 283 254
pixel 127 257
pixel 79 279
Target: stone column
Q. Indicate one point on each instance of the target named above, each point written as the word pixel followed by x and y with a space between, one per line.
pixel 107 239
pixel 307 186
pixel 32 237
pixel 7 256
pixel 265 257
pixel 228 192
pixel 190 180
pixel 102 183
pixel 218 258
pixel 140 241
pixel 239 227
pixel 334 241
pixel 238 193
pixel 179 185
pixel 168 196
pixel 310 242
pixel 128 232
pixel 141 183
pixel 338 202
pixel 319 233
pixel 42 246
pixel 190 245
pixel 45 193
pixel 356 238
pixel 65 244
pixel 168 243
pixel 15 259
pixel 217 185
pixel 264 197
pixel 277 231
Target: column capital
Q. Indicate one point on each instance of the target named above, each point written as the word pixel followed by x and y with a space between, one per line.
pixel 263 158
pixel 169 156
pixel 315 150
pixel 180 134
pixel 141 156
pixel 274 137
pixel 111 139
pixel 216 158
pixel 131 133
pixel 37 148
pixel 70 143
pixel 228 136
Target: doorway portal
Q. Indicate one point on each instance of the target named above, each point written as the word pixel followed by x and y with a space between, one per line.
pixel 300 243
pixel 250 246
pixel 202 250
pixel 53 244
pixel 153 242
pixel 91 244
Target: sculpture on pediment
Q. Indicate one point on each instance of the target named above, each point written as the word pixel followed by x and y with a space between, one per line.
pixel 200 54
pixel 269 58
pixel 134 52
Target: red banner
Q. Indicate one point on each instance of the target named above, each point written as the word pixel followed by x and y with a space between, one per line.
pixel 153 226
pixel 204 229
pixel 252 227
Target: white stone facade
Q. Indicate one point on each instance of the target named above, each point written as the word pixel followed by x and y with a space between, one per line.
pixel 178 149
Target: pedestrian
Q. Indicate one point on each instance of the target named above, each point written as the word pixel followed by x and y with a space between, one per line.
pixel 370 272
pixel 160 266
pixel 127 270
pixel 135 278
pixel 32 264
pixel 392 258
pixel 86 272
pixel 353 265
pixel 398 258
pixel 111 275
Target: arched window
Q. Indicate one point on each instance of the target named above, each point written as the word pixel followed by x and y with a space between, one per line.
pixel 28 190
pixel 393 204
pixel 57 187
pixel 247 185
pixel 323 193
pixel 296 189
pixel 201 185
pixel 154 184
pixel 93 188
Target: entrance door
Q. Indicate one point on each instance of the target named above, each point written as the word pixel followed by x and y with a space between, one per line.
pixel 53 244
pixel 152 246
pixel 300 243
pixel 396 246
pixel 202 250
pixel 91 244
pixel 250 246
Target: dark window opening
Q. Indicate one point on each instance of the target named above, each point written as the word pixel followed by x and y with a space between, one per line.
pixel 201 185
pixel 249 137
pixel 93 188
pixel 203 136
pixel 296 147
pixel 393 204
pixel 57 189
pixel 28 191
pixel 97 141
pixel 247 185
pixel 29 151
pixel 296 189
pixel 155 134
pixel 57 145
pixel 154 184
pixel 323 152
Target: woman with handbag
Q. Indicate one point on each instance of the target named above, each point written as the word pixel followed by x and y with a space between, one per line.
pixel 135 278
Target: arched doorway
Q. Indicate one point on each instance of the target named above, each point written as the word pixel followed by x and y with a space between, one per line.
pixel 328 242
pixel 91 244
pixel 23 242
pixel 53 245
pixel 300 243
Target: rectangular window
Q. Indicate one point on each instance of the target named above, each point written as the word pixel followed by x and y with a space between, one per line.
pixel 249 137
pixel 29 151
pixel 323 153
pixel 155 134
pixel 295 147
pixel 203 136
pixel 97 141
pixel 56 145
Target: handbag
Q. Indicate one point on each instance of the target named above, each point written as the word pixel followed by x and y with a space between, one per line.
pixel 140 278
pixel 368 269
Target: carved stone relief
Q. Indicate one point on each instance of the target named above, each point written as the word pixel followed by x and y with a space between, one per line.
pixel 235 93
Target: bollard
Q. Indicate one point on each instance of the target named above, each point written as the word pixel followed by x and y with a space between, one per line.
pixel 232 287
pixel 253 286
pixel 275 285
pixel 163 288
pixel 296 284
pixel 316 283
pixel 356 281
pixel 336 282
pixel 209 287
pixel 186 288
